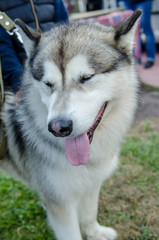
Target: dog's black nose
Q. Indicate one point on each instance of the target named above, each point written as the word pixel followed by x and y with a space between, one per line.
pixel 60 128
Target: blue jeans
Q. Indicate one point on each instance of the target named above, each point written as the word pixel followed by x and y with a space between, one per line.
pixel 150 44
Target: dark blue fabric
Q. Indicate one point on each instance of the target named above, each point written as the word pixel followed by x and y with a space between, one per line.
pixel 131 2
pixel 11 67
pixel 48 12
pixel 61 14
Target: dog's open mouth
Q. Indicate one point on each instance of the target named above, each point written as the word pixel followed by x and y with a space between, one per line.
pixel 77 149
pixel 96 122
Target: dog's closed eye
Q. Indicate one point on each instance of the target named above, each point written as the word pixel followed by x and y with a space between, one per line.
pixel 48 84
pixel 85 78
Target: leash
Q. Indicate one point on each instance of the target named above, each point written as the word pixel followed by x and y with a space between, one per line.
pixel 1 86
pixel 35 16
pixel 3 140
pixel 11 29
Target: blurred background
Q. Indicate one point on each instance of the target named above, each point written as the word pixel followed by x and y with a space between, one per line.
pixel 108 12
pixel 83 6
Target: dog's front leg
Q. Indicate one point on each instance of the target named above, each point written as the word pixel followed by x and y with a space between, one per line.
pixel 64 221
pixel 88 215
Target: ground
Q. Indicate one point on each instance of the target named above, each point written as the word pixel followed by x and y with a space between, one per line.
pixel 148 103
pixel 129 200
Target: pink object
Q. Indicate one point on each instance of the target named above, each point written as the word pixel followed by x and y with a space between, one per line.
pixel 149 76
pixel 77 149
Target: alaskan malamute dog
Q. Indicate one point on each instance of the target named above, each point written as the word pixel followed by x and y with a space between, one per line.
pixel 77 101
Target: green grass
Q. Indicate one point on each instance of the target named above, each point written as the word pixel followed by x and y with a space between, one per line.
pixel 144 152
pixel 128 200
pixel 21 214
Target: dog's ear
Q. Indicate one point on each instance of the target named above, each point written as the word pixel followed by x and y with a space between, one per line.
pixel 125 31
pixel 29 36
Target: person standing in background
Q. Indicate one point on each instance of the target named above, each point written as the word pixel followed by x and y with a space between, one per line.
pixel 150 44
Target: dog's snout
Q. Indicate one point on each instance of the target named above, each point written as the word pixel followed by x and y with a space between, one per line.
pixel 60 128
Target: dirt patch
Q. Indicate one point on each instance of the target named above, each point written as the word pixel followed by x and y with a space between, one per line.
pixel 130 201
pixel 148 103
pixel 143 128
pixel 134 211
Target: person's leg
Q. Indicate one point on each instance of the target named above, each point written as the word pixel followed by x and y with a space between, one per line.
pixel 125 4
pixel 147 29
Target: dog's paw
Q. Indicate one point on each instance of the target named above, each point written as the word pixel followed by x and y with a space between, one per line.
pixel 104 233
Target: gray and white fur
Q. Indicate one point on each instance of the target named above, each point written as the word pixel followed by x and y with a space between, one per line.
pixel 70 72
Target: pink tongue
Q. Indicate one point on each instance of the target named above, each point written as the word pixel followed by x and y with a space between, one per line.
pixel 77 149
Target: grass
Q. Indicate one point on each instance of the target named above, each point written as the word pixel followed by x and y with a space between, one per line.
pixel 149 87
pixel 21 214
pixel 129 200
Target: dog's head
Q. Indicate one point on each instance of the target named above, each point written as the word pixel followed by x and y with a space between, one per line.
pixel 79 71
